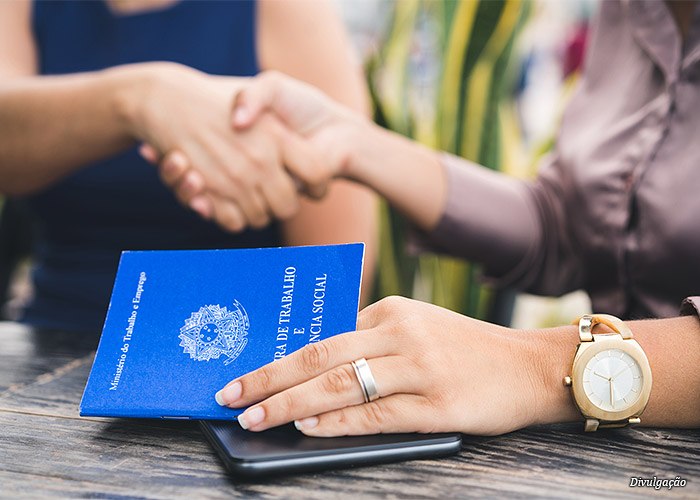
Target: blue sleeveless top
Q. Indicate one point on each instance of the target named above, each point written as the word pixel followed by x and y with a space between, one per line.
pixel 85 221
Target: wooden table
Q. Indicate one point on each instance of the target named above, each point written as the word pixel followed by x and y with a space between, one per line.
pixel 47 450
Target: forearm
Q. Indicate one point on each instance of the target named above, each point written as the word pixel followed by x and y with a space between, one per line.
pixel 51 126
pixel 408 175
pixel 673 349
pixel 464 209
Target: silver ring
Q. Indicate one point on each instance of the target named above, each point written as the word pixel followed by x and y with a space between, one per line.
pixel 366 380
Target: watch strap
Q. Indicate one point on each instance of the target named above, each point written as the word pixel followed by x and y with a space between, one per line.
pixel 593 425
pixel 587 323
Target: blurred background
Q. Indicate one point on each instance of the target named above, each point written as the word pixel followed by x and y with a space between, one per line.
pixel 483 79
pixel 486 80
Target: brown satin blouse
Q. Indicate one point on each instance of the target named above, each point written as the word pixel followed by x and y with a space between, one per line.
pixel 616 209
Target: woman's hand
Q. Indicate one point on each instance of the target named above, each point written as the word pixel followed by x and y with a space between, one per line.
pixel 329 126
pixel 236 178
pixel 435 371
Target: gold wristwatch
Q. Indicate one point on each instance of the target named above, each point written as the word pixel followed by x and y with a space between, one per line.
pixel 610 376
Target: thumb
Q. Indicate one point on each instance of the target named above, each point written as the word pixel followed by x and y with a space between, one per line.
pixel 305 165
pixel 250 102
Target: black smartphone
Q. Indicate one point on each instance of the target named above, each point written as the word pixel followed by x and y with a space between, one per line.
pixel 285 450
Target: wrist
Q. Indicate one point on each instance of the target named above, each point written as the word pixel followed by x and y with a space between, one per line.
pixel 551 354
pixel 135 88
pixel 355 144
pixel 130 84
pixel 379 157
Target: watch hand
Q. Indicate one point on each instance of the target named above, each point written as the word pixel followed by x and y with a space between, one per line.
pixel 602 376
pixel 612 397
pixel 618 373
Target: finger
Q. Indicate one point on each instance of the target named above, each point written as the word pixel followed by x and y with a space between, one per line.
pixel 317 192
pixel 247 203
pixel 237 178
pixel 396 413
pixel 227 214
pixel 149 153
pixel 302 160
pixel 202 205
pixel 173 167
pixel 191 185
pixel 264 209
pixel 211 157
pixel 334 389
pixel 252 100
pixel 304 364
pixel 281 195
pixel 254 208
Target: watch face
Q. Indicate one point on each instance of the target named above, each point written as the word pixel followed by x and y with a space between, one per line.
pixel 612 380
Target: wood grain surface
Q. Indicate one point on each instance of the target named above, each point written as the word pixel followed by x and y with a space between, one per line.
pixel 48 451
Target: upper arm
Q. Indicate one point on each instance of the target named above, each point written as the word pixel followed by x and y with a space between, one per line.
pixel 306 40
pixel 17 46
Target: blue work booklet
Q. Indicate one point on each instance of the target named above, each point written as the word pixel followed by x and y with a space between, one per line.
pixel 181 324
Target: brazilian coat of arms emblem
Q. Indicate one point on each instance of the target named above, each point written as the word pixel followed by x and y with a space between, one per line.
pixel 214 331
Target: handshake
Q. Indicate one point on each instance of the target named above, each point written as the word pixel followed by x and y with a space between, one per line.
pixel 247 165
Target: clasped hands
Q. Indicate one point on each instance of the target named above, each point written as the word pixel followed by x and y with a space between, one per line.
pixel 285 140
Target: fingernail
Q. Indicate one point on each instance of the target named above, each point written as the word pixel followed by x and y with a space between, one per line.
pixel 178 160
pixel 219 398
pixel 147 153
pixel 306 423
pixel 201 206
pixel 240 115
pixel 251 417
pixel 169 167
pixel 193 184
pixel 229 394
